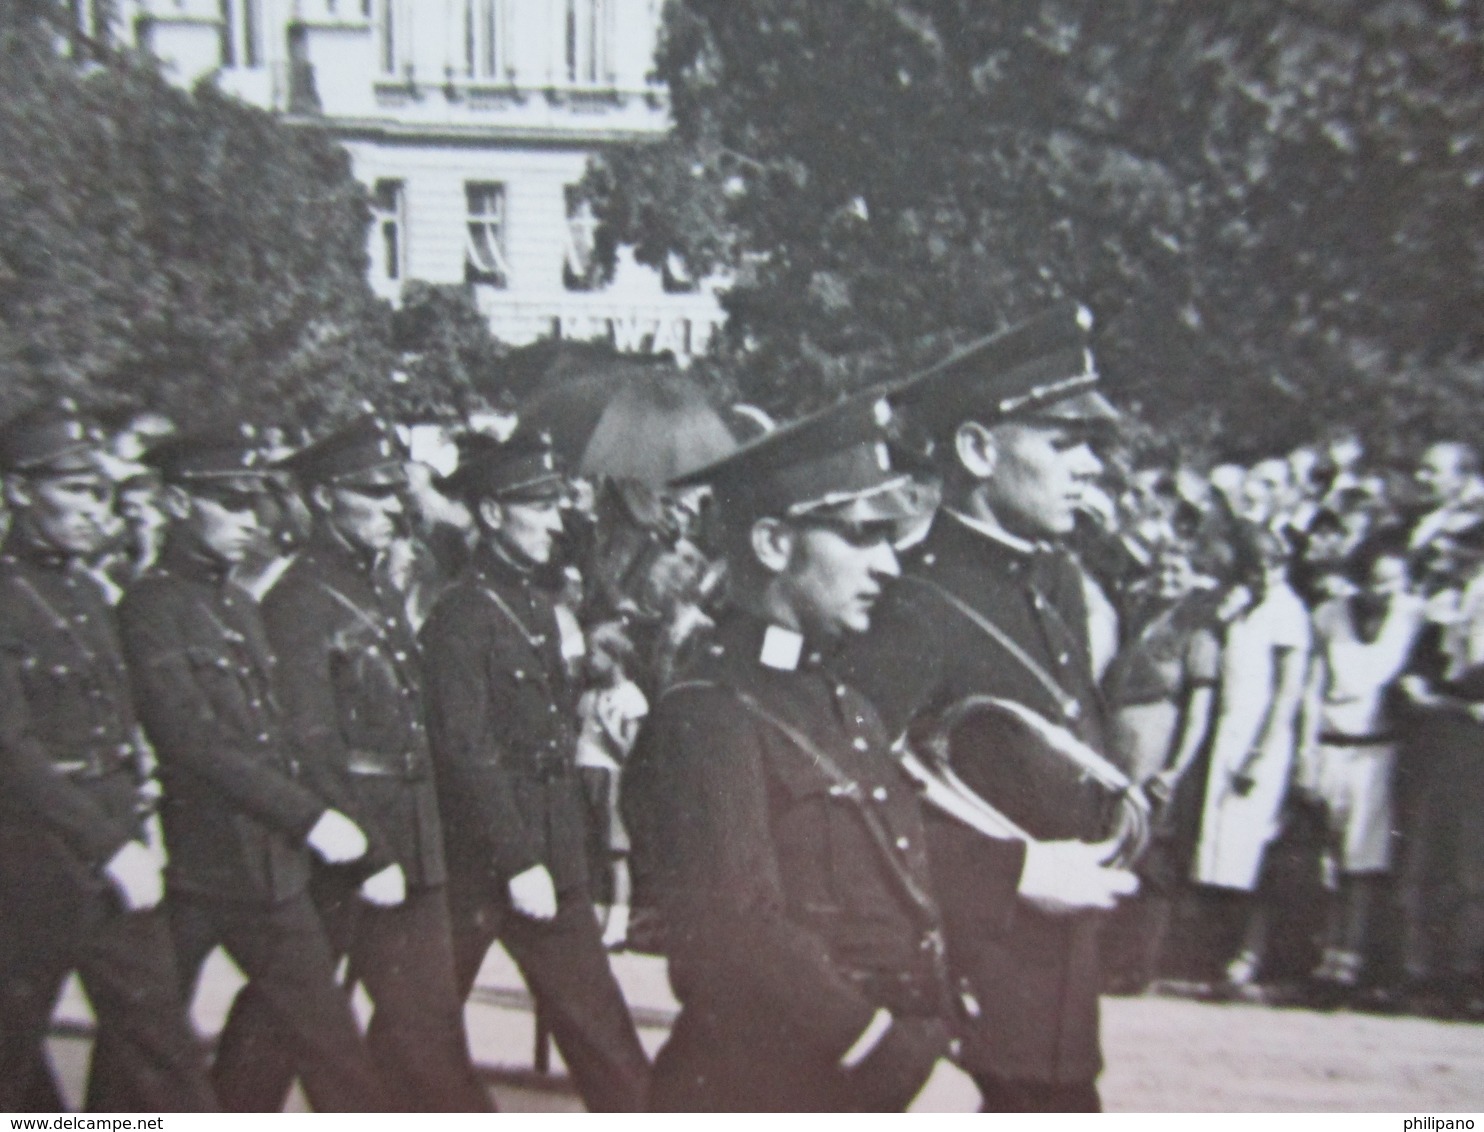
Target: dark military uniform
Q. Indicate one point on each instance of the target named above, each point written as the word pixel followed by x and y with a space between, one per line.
pixel 237 812
pixel 352 693
pixel 981 613
pixel 785 929
pixel 70 778
pixel 502 715
pixel 1035 974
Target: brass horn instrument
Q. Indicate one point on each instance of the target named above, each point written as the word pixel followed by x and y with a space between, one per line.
pixel 1032 780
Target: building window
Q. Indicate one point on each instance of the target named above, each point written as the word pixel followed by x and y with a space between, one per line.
pixel 588 43
pixel 90 20
pixel 484 255
pixel 484 38
pixel 242 33
pixel 393 36
pixel 580 256
pixel 389 210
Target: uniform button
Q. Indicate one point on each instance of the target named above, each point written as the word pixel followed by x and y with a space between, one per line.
pixel 813 658
pixel 903 844
pixel 1062 658
pixel 400 655
pixel 262 737
pixel 879 794
pixel 839 689
pixel 1039 602
pixel 929 559
pixel 859 743
pixel 98 731
pixel 551 708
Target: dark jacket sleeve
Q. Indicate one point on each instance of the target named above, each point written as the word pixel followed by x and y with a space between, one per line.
pixel 462 659
pixel 899 666
pixel 701 799
pixel 299 624
pixel 30 784
pixel 182 724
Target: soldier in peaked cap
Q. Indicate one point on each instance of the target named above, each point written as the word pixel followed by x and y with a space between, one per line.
pixel 80 874
pixel 502 717
pixel 988 605
pixel 241 814
pixel 785 848
pixel 350 683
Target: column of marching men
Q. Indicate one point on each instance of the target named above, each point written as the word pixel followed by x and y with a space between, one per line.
pixel 890 784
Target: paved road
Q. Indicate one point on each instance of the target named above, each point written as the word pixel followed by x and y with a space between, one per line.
pixel 1164 1054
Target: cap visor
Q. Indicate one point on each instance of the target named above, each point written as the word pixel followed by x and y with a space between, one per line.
pixel 1085 408
pixel 384 475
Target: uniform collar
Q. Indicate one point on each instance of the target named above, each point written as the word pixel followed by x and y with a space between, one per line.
pixel 997 533
pixel 330 545
pixel 23 546
pixel 493 562
pixel 766 644
pixel 185 556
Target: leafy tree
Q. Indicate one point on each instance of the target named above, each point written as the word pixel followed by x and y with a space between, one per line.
pixel 177 250
pixel 1273 207
pixel 449 357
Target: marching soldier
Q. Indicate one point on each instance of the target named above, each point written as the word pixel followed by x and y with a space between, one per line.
pixel 988 606
pixel 786 849
pixel 502 714
pixel 351 687
pixel 80 879
pixel 240 816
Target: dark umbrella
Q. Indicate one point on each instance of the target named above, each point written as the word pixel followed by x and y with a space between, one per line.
pixel 649 424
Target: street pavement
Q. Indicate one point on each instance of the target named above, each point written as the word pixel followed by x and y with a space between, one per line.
pixel 1164 1054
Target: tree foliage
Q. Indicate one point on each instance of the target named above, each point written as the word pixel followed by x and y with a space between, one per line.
pixel 177 250
pixel 449 359
pixel 1273 207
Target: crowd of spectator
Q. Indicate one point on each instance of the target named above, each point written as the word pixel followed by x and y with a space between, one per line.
pixel 1292 654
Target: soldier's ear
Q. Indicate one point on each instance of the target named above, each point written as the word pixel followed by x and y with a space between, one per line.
pixel 18 493
pixel 491 514
pixel 977 449
pixel 772 544
pixel 176 503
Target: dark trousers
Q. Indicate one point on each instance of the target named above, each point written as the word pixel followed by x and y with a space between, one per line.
pixel 145 1056
pixel 404 958
pixel 1004 1095
pixel 1443 868
pixel 282 951
pixel 566 969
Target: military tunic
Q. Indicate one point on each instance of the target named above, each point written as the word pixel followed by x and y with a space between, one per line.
pixel 71 774
pixel 785 929
pixel 502 719
pixel 237 811
pixel 1036 975
pixel 351 686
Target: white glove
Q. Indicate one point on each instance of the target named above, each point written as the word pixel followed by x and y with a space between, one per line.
pixel 947 1089
pixel 533 894
pixel 337 839
pixel 1069 876
pixel 387 888
pixel 138 875
pixel 154 839
pixel 616 930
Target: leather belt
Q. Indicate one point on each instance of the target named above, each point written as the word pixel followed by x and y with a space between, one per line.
pixel 904 993
pixel 386 764
pixel 98 763
pixel 1336 739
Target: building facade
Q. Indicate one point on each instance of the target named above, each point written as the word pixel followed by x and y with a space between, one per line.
pixel 470 122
